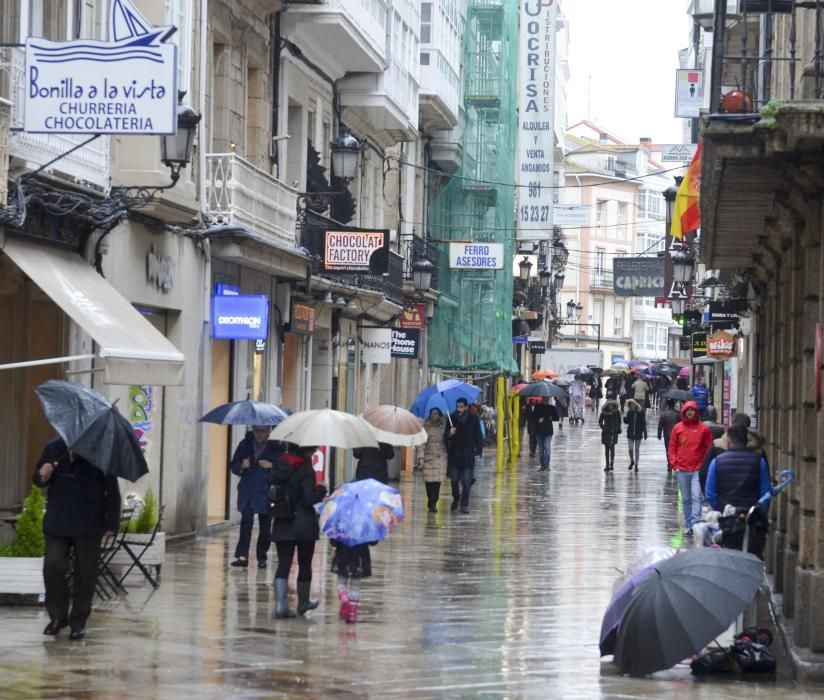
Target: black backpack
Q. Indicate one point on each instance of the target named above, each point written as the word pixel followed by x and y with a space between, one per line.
pixel 280 502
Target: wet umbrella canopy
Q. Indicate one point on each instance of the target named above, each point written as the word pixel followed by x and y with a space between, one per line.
pixel 245 413
pixel 685 603
pixel 678 395
pixel 541 389
pixel 92 428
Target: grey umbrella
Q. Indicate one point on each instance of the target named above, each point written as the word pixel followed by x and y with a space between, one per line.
pixel 679 395
pixel 92 428
pixel 541 389
pixel 245 413
pixel 686 602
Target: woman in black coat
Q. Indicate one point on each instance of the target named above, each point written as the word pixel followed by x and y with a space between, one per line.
pixel 610 422
pixel 252 462
pixel 298 530
pixel 373 462
pixel 636 421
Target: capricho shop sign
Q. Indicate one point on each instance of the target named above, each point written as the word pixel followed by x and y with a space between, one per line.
pixel 356 251
pixel 123 86
pixel 476 256
pixel 638 277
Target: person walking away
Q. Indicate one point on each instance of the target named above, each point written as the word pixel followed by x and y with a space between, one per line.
pixel 681 383
pixel 463 438
pixel 701 394
pixel 562 406
pixel 689 442
pixel 636 431
pixel 296 530
pixel 351 564
pixel 544 415
pixel 613 387
pixel 528 411
pixel 662 386
pixel 755 442
pixel 577 392
pixel 625 392
pixel 253 460
pixel 668 419
pixel 433 462
pixel 373 462
pixel 83 505
pixel 711 421
pixel 596 393
pixel 640 391
pixel 739 477
pixel 610 423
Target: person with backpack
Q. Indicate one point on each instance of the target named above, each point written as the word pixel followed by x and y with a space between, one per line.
pixel 252 462
pixel 636 430
pixel 292 495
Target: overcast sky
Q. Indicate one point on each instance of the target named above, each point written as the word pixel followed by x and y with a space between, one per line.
pixel 629 49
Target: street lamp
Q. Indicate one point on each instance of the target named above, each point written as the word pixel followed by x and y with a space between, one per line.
pixel 683 263
pixel 176 149
pixel 346 151
pixel 560 255
pixel 678 302
pixel 524 268
pixel 570 308
pixel 669 197
pixel 559 281
pixel 544 277
pixel 422 274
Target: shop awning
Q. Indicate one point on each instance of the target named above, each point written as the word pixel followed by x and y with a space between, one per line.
pixel 132 350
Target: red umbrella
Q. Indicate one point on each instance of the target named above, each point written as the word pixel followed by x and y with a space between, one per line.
pixel 515 389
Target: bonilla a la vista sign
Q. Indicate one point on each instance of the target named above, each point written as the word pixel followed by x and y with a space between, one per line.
pixel 123 86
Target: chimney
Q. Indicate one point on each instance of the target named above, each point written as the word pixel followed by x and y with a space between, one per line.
pixel 646 141
pixel 602 137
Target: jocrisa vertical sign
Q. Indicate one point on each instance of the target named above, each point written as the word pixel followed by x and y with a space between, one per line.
pixel 123 86
pixel 536 126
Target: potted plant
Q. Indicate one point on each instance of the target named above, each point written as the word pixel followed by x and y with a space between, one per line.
pixel 21 560
pixel 138 532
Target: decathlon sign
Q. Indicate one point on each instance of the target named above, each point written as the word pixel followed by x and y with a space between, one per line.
pixel 638 277
pixel 356 250
pixel 476 256
pixel 240 317
pixel 126 85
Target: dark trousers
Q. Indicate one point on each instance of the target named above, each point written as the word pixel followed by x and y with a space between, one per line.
pixel 609 454
pixel 286 552
pixel 433 492
pixel 247 521
pixel 465 477
pixel 79 592
pixel 533 444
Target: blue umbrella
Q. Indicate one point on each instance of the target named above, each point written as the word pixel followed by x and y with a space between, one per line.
pixel 615 610
pixel 449 391
pixel 359 512
pixel 245 413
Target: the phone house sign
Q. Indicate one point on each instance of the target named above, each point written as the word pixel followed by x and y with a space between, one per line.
pixel 123 86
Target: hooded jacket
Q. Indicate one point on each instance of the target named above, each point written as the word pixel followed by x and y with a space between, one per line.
pixel 636 421
pixel 610 422
pixel 297 474
pixel 689 441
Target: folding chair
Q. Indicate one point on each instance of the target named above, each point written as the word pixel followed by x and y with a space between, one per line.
pixel 107 583
pixel 136 550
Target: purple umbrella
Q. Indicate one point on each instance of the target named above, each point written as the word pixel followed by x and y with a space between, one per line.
pixel 615 610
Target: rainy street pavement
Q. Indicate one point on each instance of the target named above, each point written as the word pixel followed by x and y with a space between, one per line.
pixel 505 602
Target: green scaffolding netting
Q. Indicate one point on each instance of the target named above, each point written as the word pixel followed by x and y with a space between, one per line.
pixel 472 327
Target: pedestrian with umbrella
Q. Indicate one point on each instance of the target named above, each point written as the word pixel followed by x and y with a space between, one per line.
pixel 464 444
pixel 544 415
pixel 80 469
pixel 610 423
pixel 434 460
pixel 253 460
pixel 294 494
pixel 358 515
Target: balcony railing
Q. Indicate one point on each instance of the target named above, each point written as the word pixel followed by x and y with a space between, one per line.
pixel 5 119
pixel 416 248
pixel 239 194
pixel 776 55
pixel 87 166
pixel 602 281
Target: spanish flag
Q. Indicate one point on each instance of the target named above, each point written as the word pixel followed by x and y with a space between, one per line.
pixel 687 215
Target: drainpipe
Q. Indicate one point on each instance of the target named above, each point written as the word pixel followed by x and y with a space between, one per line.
pixel 274 40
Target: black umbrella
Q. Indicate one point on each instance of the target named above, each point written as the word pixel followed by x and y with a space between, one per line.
pixel 679 395
pixel 686 602
pixel 542 389
pixel 92 428
pixel 245 413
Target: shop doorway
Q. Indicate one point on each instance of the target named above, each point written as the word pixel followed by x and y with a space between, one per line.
pixel 218 494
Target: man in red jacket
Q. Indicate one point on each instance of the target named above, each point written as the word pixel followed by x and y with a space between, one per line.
pixel 689 441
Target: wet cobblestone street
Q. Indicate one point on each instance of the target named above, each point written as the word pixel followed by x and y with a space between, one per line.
pixel 505 602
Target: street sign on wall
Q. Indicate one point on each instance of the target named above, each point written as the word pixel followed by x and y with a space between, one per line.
pixel 376 345
pixel 127 85
pixel 536 119
pixel 406 342
pixel 678 152
pixel 413 316
pixel 699 345
pixel 638 277
pixel 302 319
pixel 476 256
pixel 570 215
pixel 689 92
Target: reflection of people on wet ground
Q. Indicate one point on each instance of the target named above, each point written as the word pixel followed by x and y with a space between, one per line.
pixel 83 505
pixel 636 431
pixel 610 423
pixel 463 438
pixel 295 474
pixel 252 462
pixel 433 462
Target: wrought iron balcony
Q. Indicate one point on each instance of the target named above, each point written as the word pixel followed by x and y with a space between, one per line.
pixel 416 248
pixel 238 193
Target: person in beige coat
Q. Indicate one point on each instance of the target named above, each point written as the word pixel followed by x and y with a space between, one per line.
pixel 434 459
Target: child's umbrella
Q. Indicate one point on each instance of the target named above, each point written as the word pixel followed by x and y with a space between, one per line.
pixel 360 512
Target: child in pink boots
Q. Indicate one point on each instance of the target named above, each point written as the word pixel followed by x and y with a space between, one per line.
pixel 351 564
